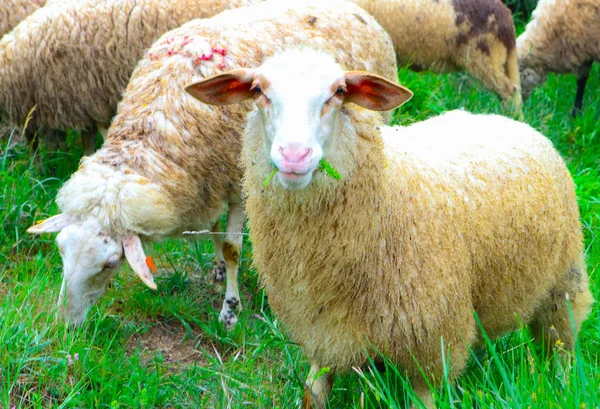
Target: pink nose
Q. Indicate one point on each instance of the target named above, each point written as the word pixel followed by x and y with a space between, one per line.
pixel 294 154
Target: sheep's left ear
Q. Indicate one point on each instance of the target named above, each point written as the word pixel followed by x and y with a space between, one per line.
pixel 374 92
pixel 228 88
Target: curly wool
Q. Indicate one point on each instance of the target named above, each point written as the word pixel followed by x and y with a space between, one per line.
pixel 185 154
pixel 477 36
pixel 429 223
pixel 13 11
pixel 73 60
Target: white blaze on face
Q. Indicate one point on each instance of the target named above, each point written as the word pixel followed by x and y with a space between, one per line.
pixel 299 103
pixel 90 258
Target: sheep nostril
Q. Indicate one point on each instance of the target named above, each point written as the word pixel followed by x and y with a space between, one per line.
pixel 295 155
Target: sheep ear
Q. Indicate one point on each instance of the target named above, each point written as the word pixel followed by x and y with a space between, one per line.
pixel 224 89
pixel 374 92
pixel 134 252
pixel 51 225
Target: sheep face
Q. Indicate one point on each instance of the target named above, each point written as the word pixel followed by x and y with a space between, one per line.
pixel 530 79
pixel 299 95
pixel 90 258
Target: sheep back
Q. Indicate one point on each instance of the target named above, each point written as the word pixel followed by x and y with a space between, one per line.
pixel 73 60
pixel 189 151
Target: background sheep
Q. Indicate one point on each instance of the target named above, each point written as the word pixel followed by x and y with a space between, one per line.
pixel 72 60
pixel 13 11
pixel 477 36
pixel 563 36
pixel 170 164
pixel 428 223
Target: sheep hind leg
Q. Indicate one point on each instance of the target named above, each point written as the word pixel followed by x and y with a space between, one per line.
pixel 317 388
pixel 232 250
pixel 583 73
pixel 552 323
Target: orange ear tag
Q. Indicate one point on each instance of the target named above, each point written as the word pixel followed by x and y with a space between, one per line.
pixel 150 264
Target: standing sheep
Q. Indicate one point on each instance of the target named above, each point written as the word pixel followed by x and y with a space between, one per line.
pixel 72 60
pixel 427 224
pixel 477 36
pixel 13 11
pixel 563 36
pixel 170 164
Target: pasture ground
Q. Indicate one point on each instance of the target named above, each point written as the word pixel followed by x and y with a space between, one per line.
pixel 166 349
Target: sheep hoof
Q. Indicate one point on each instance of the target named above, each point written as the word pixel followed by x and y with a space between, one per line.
pixel 227 316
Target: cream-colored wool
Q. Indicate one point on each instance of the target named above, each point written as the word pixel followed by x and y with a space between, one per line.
pixel 563 36
pixel 13 11
pixel 171 164
pixel 429 223
pixel 477 36
pixel 72 60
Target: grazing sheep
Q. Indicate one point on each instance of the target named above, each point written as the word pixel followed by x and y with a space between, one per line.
pixel 72 60
pixel 563 36
pixel 13 11
pixel 427 224
pixel 477 36
pixel 170 164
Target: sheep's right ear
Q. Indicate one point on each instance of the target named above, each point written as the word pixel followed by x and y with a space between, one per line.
pixel 229 88
pixel 51 225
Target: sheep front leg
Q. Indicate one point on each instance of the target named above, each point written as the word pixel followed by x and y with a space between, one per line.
pixel 316 391
pixel 232 250
pixel 217 275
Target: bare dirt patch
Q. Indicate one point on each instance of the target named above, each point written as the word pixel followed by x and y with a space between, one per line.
pixel 170 340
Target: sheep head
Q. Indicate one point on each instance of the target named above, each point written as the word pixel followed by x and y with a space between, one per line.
pixel 299 94
pixel 91 257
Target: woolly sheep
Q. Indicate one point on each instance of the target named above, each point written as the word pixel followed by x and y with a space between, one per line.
pixel 477 36
pixel 170 164
pixel 428 223
pixel 563 36
pixel 72 60
pixel 13 11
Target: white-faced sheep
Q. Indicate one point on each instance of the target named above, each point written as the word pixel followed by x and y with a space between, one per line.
pixel 477 36
pixel 13 11
pixel 72 60
pixel 170 163
pixel 563 36
pixel 428 223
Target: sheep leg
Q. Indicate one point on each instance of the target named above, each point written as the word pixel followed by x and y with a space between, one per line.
pixel 316 391
pixel 424 394
pixel 582 76
pixel 232 250
pixel 552 322
pixel 217 275
pixel 88 140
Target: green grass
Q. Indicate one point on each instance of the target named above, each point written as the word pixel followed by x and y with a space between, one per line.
pixel 144 349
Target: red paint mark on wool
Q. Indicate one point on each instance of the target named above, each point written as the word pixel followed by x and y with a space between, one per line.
pixel 221 51
pixel 222 65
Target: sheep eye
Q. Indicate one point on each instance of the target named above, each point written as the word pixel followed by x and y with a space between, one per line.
pixel 339 91
pixel 258 91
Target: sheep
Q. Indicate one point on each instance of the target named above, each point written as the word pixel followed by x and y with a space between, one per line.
pixel 72 60
pixel 563 36
pixel 477 36
pixel 170 164
pixel 428 223
pixel 13 11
